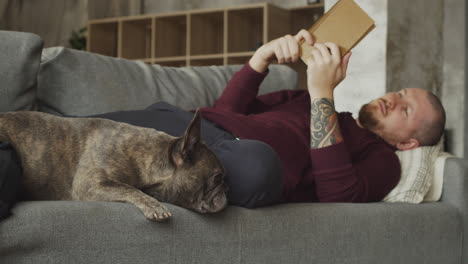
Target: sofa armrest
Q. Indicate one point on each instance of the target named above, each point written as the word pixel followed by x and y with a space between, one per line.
pixel 455 193
pixel 20 55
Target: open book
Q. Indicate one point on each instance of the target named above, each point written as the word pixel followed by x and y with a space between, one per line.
pixel 344 24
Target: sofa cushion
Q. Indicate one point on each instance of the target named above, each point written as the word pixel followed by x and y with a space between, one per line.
pixel 81 83
pixel 106 232
pixel 19 63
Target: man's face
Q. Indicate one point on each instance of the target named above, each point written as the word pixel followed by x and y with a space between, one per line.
pixel 396 116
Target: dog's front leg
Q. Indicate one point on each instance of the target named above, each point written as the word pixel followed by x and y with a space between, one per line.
pixel 114 191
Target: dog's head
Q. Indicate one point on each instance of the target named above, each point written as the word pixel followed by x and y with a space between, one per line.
pixel 198 179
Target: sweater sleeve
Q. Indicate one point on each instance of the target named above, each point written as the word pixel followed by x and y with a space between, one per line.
pixel 369 179
pixel 241 91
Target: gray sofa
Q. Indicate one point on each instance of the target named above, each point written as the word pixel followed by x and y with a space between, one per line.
pixel 67 82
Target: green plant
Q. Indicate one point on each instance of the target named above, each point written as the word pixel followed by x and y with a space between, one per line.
pixel 78 39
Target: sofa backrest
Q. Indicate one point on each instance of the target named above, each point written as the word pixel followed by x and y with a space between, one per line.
pixel 20 55
pixel 78 83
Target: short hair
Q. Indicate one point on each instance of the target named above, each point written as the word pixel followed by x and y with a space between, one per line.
pixel 432 130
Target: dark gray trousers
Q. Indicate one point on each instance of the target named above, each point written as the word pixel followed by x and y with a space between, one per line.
pixel 253 170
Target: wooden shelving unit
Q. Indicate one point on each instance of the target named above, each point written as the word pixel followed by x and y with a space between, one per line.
pixel 199 37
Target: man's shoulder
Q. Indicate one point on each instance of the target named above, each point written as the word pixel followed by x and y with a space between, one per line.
pixel 345 114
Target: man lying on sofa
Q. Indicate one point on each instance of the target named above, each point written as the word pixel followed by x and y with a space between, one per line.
pixel 291 145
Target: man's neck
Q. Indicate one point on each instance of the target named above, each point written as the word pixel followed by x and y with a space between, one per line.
pixel 359 123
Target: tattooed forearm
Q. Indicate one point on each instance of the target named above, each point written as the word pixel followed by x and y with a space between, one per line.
pixel 324 128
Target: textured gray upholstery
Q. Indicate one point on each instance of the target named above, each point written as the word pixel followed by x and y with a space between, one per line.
pixel 62 232
pixel 19 62
pixel 455 193
pixel 80 83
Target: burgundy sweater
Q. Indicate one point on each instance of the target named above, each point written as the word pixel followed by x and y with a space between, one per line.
pixel 362 168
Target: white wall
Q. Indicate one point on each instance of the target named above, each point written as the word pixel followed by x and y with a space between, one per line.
pixel 366 77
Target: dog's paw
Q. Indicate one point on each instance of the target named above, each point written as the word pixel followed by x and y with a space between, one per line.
pixel 156 212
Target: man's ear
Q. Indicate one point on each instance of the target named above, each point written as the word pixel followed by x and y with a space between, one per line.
pixel 411 143
pixel 184 146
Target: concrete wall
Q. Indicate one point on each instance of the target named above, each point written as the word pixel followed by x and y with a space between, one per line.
pixel 414 45
pixel 54 20
pixel 453 85
pixel 426 48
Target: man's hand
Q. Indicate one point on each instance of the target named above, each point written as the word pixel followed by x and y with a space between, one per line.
pixel 284 50
pixel 325 68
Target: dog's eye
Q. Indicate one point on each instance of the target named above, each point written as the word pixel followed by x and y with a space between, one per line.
pixel 218 178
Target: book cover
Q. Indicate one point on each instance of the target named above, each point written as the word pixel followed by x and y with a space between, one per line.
pixel 345 24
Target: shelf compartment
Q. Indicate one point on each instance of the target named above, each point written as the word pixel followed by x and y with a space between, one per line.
pixel 207 60
pixel 207 33
pixel 238 60
pixel 172 61
pixel 207 56
pixel 175 63
pixel 239 57
pixel 170 36
pixel 147 61
pixel 305 17
pixel 278 21
pixel 241 54
pixel 137 38
pixel 245 29
pixel 103 38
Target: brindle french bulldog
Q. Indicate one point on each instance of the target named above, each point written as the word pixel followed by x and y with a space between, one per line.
pixel 93 159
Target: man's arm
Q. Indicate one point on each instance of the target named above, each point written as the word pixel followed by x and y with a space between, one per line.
pixel 324 128
pixel 325 70
pixel 336 177
pixel 242 89
pixel 368 179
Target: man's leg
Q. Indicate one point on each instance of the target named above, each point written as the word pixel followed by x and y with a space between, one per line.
pixel 253 172
pixel 167 118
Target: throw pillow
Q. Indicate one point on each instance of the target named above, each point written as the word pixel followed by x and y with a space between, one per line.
pixel 417 174
pixel 435 191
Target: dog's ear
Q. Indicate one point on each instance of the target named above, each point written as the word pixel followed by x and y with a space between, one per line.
pixel 192 135
pixel 188 142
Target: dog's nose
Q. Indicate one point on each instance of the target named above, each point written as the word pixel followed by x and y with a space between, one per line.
pixel 220 201
pixel 201 208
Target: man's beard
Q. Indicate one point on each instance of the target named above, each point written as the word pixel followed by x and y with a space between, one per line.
pixel 366 118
